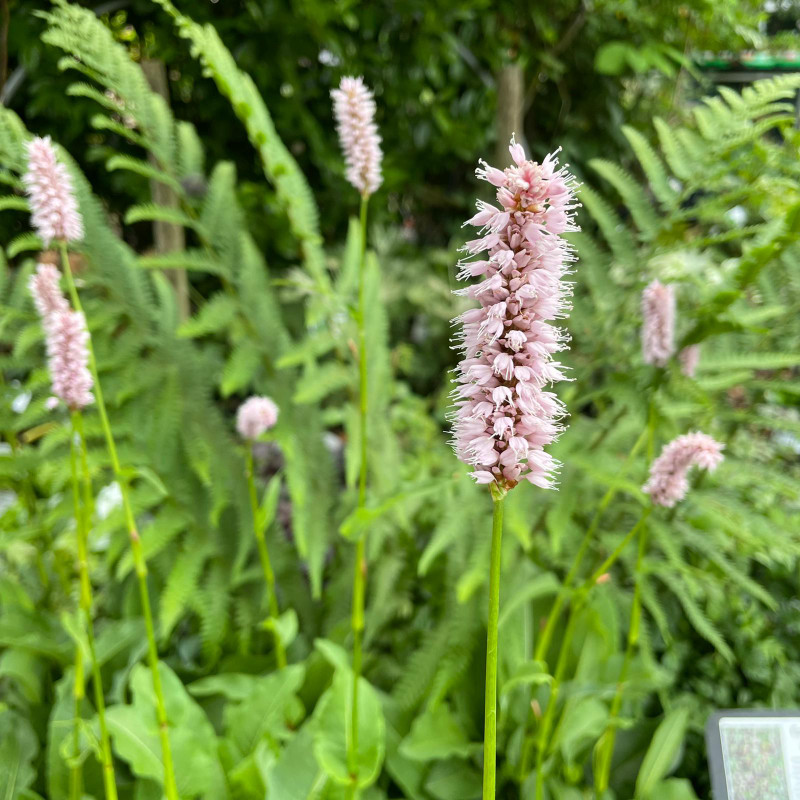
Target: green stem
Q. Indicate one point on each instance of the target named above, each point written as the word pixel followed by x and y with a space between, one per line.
pixel 617 552
pixel 490 698
pixel 170 787
pixel 263 554
pixel 76 770
pixel 555 690
pixel 605 754
pixel 109 780
pixel 566 642
pixel 360 567
pixel 543 644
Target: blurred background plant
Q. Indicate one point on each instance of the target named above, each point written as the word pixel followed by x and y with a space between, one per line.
pixel 212 270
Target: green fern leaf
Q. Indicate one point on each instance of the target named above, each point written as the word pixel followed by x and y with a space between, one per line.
pixel 652 166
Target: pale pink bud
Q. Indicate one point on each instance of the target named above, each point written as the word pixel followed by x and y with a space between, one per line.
pixel 54 210
pixel 47 295
pixel 66 339
pixel 689 358
pixel 67 349
pixel 658 323
pixel 354 110
pixel 256 416
pixel 668 482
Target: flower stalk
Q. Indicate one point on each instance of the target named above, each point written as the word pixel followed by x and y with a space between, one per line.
pixel 566 643
pixel 170 786
pixel 558 604
pixel 360 566
pixel 76 767
pixel 490 697
pixel 83 517
pixel 263 554
pixel 605 745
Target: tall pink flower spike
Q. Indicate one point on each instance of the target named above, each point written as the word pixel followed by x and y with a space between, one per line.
pixel 256 416
pixel 66 339
pixel 47 295
pixel 54 212
pixel 504 414
pixel 689 358
pixel 658 323
pixel 668 482
pixel 354 110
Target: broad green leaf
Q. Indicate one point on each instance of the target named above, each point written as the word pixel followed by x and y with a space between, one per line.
pixel 582 722
pixel 673 789
pixel 291 776
pixel 333 653
pixel 266 711
pixel 332 719
pixel 531 672
pixel 27 670
pixel 434 736
pixel 231 685
pixel 59 730
pixel 18 748
pixel 664 748
pixel 285 626
pixel 454 780
pixel 134 732
pixel 269 502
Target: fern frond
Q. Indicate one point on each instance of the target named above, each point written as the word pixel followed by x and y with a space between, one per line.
pixel 652 166
pixel 619 239
pixel 280 167
pixel 632 195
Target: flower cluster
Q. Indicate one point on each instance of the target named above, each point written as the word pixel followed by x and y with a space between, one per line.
pixel 256 416
pixel 66 338
pixel 658 328
pixel 354 110
pixel 55 213
pixel 47 295
pixel 668 482
pixel 689 358
pixel 504 414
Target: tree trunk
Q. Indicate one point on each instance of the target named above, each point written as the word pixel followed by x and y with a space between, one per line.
pixel 167 236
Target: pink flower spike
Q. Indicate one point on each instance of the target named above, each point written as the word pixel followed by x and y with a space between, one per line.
pixel 668 482
pixel 47 295
pixel 68 353
pixel 256 416
pixel 66 340
pixel 658 324
pixel 689 358
pixel 48 185
pixel 504 416
pixel 354 110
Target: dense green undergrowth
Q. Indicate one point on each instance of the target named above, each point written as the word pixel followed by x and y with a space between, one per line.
pixel 712 208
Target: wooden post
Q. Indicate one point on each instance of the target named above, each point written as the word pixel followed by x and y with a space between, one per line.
pixel 167 236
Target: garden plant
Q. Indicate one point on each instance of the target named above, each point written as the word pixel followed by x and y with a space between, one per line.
pixel 306 516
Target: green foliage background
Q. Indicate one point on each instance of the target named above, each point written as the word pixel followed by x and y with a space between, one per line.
pixel 272 256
